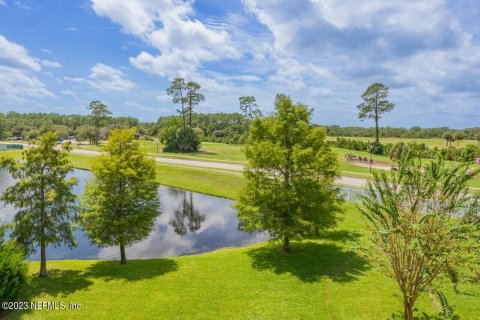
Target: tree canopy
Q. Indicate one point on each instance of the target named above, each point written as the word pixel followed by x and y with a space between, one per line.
pixel 43 197
pixel 121 203
pixel 375 104
pixel 290 173
pixel 423 223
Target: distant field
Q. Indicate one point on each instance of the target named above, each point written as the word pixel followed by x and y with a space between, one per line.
pixel 431 143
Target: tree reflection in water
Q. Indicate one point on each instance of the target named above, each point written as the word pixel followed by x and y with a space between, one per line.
pixel 186 216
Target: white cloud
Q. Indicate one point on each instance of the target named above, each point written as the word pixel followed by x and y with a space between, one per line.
pixel 51 64
pixel 105 78
pixel 184 44
pixel 335 49
pixel 17 84
pixel 15 54
pixel 46 50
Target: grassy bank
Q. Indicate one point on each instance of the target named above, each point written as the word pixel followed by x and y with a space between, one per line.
pixel 324 278
pixel 222 183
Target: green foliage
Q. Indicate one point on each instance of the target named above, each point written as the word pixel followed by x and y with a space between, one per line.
pixel 447 310
pixel 87 133
pixel 177 139
pixel 177 91
pixel 415 222
pixel 121 203
pixel 3 128
pixel 249 107
pixel 375 104
pixel 376 148
pixel 193 98
pixel 217 127
pixel 289 190
pixel 13 268
pixel 99 113
pixel 469 153
pixel 43 197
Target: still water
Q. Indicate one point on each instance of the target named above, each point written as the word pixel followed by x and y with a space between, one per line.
pixel 189 223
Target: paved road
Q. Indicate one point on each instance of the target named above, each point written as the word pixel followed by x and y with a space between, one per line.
pixel 356 182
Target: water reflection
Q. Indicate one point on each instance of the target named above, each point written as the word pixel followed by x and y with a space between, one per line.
pixel 186 217
pixel 189 223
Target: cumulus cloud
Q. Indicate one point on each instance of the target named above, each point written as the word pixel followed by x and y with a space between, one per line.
pixel 105 78
pixel 16 55
pixel 17 84
pixel 183 43
pixel 326 48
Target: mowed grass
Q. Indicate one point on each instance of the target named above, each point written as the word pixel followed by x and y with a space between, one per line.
pixel 431 143
pixel 210 151
pixel 323 278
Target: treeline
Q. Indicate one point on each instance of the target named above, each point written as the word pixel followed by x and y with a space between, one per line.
pixel 395 150
pixel 32 125
pixel 390 132
pixel 213 127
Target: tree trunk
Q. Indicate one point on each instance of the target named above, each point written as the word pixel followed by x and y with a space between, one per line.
pixel 377 139
pixel 286 244
pixel 408 303
pixel 183 117
pixel 190 117
pixel 123 256
pixel 43 259
pixel 408 310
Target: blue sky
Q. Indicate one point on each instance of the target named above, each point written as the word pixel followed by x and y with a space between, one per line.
pixel 57 56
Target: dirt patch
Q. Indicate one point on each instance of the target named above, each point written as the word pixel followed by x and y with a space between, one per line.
pixel 376 165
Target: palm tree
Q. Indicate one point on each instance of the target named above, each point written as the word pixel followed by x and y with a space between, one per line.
pixel 459 136
pixel 448 137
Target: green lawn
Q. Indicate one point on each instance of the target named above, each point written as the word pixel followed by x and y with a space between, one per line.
pixel 325 278
pixel 210 151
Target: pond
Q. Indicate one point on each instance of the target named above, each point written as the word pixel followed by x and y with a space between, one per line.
pixel 189 223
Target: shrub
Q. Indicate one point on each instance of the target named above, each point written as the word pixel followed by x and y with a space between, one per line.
pixel 376 148
pixel 469 153
pixel 13 268
pixel 180 140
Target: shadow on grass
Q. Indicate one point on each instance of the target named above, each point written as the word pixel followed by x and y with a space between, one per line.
pixel 58 283
pixel 339 236
pixel 132 271
pixel 200 152
pixel 310 261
